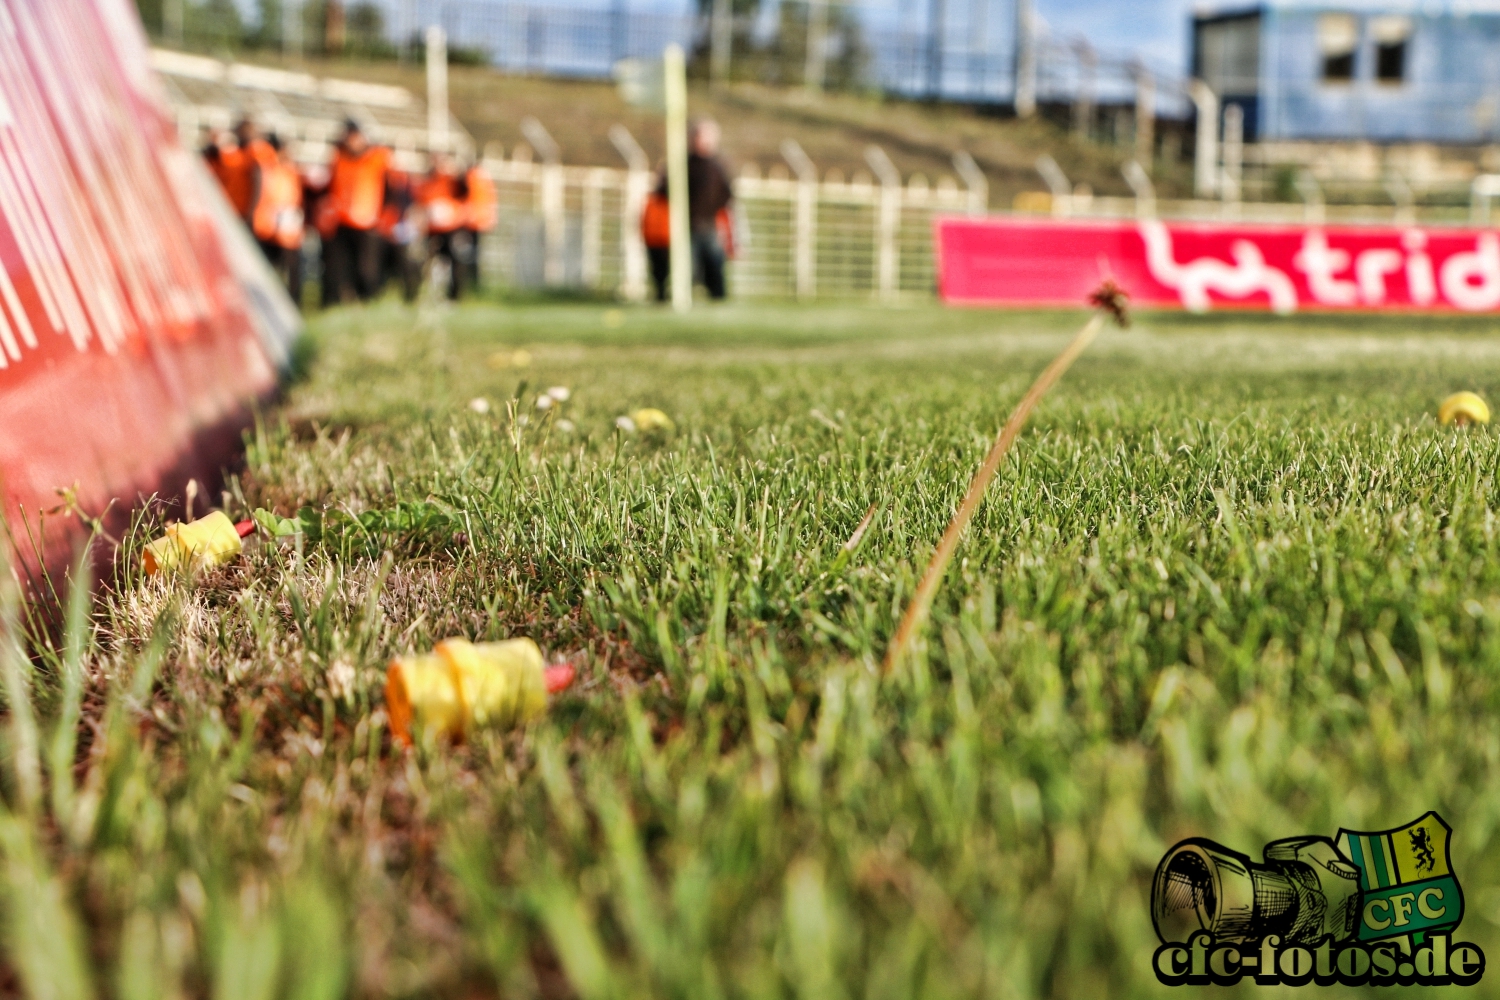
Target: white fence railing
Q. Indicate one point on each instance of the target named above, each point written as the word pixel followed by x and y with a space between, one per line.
pixel 579 227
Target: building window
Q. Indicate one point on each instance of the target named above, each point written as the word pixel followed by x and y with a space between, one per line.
pixel 1338 39
pixel 1391 36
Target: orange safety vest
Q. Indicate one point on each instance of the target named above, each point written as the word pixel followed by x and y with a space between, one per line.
pixel 356 187
pixel 482 206
pixel 438 195
pixel 234 172
pixel 278 213
pixel 656 222
pixel 261 153
pixel 724 223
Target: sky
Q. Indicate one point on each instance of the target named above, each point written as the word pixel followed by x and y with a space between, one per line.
pixel 1155 29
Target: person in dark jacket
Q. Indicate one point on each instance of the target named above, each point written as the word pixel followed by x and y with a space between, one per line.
pixel 708 195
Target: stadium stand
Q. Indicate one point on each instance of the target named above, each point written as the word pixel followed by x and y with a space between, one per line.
pixel 307 111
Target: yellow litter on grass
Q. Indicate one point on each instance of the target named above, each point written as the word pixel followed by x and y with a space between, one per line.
pixel 649 418
pixel 501 360
pixel 463 685
pixel 212 540
pixel 1463 408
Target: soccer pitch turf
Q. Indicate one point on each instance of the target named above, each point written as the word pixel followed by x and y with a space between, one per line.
pixel 1234 581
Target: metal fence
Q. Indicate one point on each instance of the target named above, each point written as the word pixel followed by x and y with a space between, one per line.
pixel 798 234
pixel 803 237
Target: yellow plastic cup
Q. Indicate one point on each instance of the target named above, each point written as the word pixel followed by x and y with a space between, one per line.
pixel 209 541
pixel 1463 408
pixel 463 685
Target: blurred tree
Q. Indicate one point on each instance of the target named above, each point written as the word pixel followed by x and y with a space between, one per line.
pixel 151 16
pixel 268 25
pixel 742 42
pixel 314 25
pixel 213 25
pixel 365 33
pixel 847 55
pixel 782 59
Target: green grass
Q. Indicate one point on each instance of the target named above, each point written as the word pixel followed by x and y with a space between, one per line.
pixel 1233 582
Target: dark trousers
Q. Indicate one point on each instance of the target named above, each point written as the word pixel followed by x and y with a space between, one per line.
pixel 708 261
pixel 287 263
pixel 472 265
pixel 661 269
pixel 708 265
pixel 351 265
pixel 397 262
pixel 456 248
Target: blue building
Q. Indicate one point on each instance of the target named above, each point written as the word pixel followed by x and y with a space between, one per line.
pixel 1340 70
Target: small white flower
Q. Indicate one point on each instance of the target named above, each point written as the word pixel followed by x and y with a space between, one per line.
pixel 560 393
pixel 566 426
pixel 479 404
pixel 544 402
pixel 625 424
pixel 341 680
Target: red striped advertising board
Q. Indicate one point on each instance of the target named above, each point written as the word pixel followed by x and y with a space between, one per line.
pixel 1201 266
pixel 129 347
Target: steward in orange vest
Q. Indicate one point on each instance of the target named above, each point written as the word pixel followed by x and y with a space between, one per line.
pixel 656 233
pixel 442 196
pixel 481 214
pixel 232 160
pixel 276 218
pixel 355 197
pixel 398 234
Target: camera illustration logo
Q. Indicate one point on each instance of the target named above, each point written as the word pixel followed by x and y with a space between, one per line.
pixel 1377 908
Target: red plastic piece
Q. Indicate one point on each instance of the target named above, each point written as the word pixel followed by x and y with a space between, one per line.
pixel 559 677
pixel 246 527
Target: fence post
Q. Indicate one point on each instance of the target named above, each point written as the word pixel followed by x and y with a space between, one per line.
pixel 817 47
pixel 1206 151
pixel 437 88
pixel 632 204
pixel 1057 183
pixel 1485 187
pixel 1083 101
pixel 1145 118
pixel 593 224
pixel 1234 154
pixel 1312 198
pixel 806 224
pixel 172 21
pixel 937 32
pixel 674 68
pixel 887 222
pixel 291 29
pixel 1140 183
pixel 552 193
pixel 974 181
pixel 1402 197
pixel 721 36
pixel 1025 84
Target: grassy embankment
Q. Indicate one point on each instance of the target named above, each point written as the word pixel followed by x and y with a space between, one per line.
pixel 1234 582
pixel 834 130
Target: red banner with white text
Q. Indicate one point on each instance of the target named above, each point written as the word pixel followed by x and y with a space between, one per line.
pixel 1202 266
pixel 129 349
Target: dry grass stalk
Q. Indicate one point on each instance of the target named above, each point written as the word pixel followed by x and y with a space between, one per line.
pixel 1109 300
